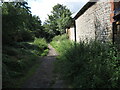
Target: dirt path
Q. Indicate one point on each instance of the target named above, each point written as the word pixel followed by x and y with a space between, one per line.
pixel 44 76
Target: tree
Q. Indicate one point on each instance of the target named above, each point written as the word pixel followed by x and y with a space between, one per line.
pixel 19 24
pixel 58 20
pixel 14 21
pixel 36 27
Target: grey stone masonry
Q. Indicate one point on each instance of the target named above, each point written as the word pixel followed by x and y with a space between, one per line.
pixel 95 23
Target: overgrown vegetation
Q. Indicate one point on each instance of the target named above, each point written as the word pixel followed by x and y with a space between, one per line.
pixel 20 52
pixel 88 65
pixel 18 60
pixel 61 42
pixel 18 23
pixel 57 22
pixel 42 44
pixel 24 38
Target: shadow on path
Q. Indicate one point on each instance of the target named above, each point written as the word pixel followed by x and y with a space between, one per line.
pixel 44 76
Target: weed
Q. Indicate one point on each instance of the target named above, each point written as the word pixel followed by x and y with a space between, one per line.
pixel 88 65
pixel 19 59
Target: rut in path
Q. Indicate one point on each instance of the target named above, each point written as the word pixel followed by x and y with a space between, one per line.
pixel 44 76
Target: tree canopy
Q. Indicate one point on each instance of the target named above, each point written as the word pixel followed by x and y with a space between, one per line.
pixel 18 23
pixel 57 22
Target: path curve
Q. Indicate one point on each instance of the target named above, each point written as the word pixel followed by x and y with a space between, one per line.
pixel 44 76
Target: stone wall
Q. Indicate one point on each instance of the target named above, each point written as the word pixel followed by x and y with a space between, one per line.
pixel 95 23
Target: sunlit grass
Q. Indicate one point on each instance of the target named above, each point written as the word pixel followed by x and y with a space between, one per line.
pixel 88 65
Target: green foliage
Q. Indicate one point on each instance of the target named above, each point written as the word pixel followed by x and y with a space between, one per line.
pixel 41 43
pixel 19 27
pixel 18 60
pixel 13 19
pixel 43 47
pixel 60 37
pixel 89 65
pixel 19 24
pixel 60 41
pixel 36 27
pixel 16 66
pixel 45 52
pixel 57 21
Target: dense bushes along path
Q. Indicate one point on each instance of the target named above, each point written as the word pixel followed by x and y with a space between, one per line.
pixel 44 76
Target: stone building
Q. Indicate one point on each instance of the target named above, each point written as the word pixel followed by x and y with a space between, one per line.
pixel 97 20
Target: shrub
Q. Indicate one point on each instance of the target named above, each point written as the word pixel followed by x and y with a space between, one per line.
pixel 89 65
pixel 60 37
pixel 60 43
pixel 41 43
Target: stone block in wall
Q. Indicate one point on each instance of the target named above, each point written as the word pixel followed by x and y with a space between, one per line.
pixel 95 23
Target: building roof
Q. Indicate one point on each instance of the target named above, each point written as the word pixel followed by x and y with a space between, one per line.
pixel 84 8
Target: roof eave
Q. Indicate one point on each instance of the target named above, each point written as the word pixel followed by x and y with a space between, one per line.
pixel 85 7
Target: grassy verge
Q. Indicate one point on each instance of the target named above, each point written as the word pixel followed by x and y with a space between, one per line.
pixel 18 82
pixel 88 65
pixel 20 61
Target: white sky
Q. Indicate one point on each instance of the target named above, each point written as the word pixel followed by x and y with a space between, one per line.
pixel 42 8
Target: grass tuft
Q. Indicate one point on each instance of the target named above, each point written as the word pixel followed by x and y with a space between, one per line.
pixel 88 65
pixel 20 61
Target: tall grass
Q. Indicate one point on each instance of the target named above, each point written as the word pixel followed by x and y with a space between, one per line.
pixel 89 65
pixel 61 43
pixel 18 60
pixel 42 44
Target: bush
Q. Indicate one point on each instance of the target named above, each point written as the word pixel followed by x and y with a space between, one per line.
pixel 60 43
pixel 41 43
pixel 89 65
pixel 60 37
